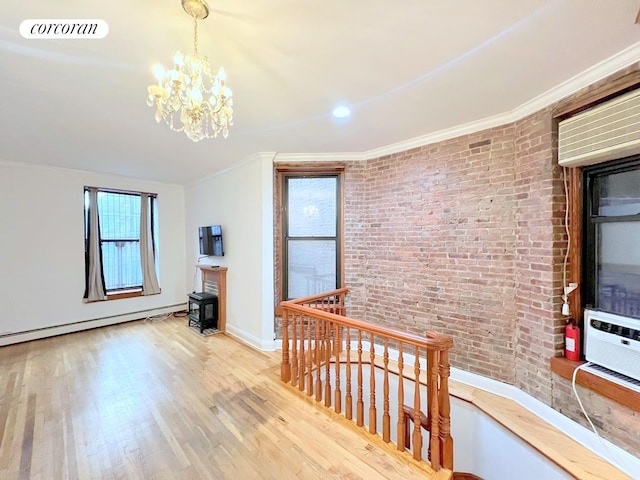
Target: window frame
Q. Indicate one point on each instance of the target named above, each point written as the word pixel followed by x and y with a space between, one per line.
pixel 338 238
pixel 134 290
pixel 280 170
pixel 591 220
pixel 613 86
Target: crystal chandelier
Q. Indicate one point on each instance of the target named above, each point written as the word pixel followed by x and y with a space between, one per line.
pixel 188 97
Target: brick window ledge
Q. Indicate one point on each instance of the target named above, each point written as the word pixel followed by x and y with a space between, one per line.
pixel 624 396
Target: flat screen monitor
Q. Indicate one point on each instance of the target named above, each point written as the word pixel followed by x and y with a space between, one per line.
pixel 211 241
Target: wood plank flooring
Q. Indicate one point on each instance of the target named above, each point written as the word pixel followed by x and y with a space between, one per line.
pixel 154 400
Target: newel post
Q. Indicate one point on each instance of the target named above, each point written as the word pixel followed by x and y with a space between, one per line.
pixel 432 391
pixel 285 367
pixel 446 442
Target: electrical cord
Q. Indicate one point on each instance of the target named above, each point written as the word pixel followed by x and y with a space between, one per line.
pixel 575 392
pixel 568 232
pixel 158 318
pixel 195 271
pixel 584 412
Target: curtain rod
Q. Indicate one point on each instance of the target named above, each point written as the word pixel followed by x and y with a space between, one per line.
pixel 115 190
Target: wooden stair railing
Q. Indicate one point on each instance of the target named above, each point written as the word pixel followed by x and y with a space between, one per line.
pixel 319 340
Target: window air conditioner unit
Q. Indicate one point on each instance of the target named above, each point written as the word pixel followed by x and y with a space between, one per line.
pixel 608 131
pixel 613 342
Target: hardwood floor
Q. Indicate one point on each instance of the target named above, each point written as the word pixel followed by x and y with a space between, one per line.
pixel 154 400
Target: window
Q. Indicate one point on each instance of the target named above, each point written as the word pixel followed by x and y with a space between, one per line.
pixel 611 255
pixel 311 241
pixel 121 239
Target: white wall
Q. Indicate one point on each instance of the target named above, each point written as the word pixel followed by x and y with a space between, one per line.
pixel 241 200
pixel 42 247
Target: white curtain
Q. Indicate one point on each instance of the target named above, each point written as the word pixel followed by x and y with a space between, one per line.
pixel 150 284
pixel 95 289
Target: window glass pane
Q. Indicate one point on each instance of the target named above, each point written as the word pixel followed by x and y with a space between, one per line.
pixel 121 264
pixel 312 207
pixel 119 216
pixel 120 221
pixel 618 194
pixel 311 267
pixel 619 268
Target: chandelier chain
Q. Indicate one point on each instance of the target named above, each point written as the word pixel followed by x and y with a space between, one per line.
pixel 195 35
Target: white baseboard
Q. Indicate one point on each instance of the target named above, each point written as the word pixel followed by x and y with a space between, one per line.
pixel 249 339
pixel 598 445
pixel 26 336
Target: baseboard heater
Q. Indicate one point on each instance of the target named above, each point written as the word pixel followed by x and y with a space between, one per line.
pixel 9 338
pixel 613 342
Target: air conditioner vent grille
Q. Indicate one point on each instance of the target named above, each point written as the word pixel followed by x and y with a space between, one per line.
pixel 613 376
pixel 605 132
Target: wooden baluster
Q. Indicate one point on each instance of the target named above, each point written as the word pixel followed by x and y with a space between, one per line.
pixel 302 371
pixel 348 413
pixel 359 402
pixel 373 427
pixel 319 353
pixel 401 421
pixel 318 360
pixel 446 442
pixel 309 358
pixel 327 366
pixel 386 419
pixel 432 392
pixel 417 431
pixel 429 369
pixel 294 350
pixel 407 429
pixel 338 392
pixel 285 368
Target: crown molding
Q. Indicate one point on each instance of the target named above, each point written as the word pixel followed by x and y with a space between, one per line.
pixel 260 156
pixel 74 172
pixel 585 78
pixel 319 157
pixel 597 72
pixel 440 136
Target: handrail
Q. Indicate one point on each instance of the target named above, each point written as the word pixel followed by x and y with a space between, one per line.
pixel 319 340
pixel 314 298
pixel 433 340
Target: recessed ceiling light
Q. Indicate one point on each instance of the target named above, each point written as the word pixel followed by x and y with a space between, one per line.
pixel 341 112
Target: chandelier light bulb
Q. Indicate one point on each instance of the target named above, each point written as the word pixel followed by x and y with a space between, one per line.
pixel 158 71
pixel 196 96
pixel 188 97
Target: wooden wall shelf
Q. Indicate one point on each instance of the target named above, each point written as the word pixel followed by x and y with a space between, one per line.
pixel 624 396
pixel 218 276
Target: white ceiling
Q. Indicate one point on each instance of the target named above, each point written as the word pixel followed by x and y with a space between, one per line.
pixel 407 68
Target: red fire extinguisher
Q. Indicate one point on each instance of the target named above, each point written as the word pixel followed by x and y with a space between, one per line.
pixel 572 341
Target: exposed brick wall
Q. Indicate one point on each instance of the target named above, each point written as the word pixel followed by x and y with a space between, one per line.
pixel 541 240
pixel 277 241
pixel 466 237
pixel 440 239
pixel 355 249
